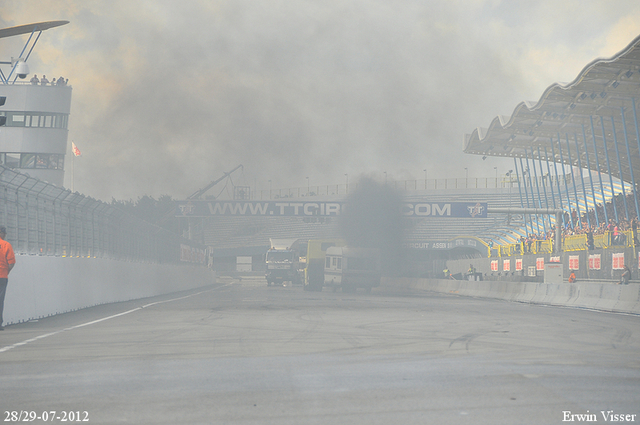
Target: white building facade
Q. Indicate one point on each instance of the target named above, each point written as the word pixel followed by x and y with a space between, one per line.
pixel 34 139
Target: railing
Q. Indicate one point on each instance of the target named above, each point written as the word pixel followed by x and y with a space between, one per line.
pixel 404 185
pixel 43 219
pixel 498 182
pixel 535 247
pixel 569 243
pixel 575 243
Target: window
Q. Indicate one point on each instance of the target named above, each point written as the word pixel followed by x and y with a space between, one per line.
pixel 12 160
pixel 35 119
pixel 42 161
pixel 28 160
pixel 56 162
pixel 17 120
pixel 327 263
pixel 32 160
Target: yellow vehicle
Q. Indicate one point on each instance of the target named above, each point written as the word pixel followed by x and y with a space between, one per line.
pixel 314 270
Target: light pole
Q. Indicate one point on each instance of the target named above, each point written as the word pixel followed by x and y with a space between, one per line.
pixel 385 177
pixel 466 177
pixel 496 168
pixel 425 179
pixel 269 189
pixel 346 185
pixel 308 188
pixel 509 175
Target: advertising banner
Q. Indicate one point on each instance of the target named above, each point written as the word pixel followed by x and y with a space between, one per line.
pixel 506 265
pixel 574 262
pixel 494 265
pixel 594 262
pixel 617 261
pixel 322 209
pixel 518 264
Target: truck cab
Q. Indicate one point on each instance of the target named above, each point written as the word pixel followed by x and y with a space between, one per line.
pixel 282 266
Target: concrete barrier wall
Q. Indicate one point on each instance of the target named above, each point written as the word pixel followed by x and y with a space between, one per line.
pixel 600 296
pixel 44 286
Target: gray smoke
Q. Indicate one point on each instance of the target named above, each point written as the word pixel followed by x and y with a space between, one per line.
pixel 372 219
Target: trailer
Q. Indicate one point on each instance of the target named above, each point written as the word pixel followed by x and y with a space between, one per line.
pixel 314 268
pixel 350 268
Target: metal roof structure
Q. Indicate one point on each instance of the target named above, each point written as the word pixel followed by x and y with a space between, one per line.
pixel 590 123
pixel 30 28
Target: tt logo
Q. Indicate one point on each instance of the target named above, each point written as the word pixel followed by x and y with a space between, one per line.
pixel 475 210
pixel 187 209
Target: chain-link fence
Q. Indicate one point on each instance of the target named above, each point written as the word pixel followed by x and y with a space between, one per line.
pixel 43 219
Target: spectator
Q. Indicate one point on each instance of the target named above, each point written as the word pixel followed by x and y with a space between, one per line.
pixel 572 277
pixel 44 81
pixel 34 80
pixel 626 276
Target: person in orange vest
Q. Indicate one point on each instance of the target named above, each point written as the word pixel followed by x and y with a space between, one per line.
pixel 7 261
pixel 572 277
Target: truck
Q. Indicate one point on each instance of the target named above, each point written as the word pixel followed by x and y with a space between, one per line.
pixel 350 268
pixel 314 268
pixel 283 262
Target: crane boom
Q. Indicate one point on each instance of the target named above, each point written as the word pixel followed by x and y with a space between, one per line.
pixel 201 192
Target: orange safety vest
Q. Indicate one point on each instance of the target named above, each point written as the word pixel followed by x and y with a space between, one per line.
pixel 6 257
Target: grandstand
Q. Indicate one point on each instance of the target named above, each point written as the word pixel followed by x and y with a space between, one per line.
pixel 589 125
pixel 233 232
pixel 577 149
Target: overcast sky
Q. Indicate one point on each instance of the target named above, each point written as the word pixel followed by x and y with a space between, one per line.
pixel 167 95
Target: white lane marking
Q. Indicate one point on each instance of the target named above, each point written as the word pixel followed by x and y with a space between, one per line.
pixel 93 322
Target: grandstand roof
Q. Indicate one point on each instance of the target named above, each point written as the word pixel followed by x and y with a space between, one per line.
pixel 567 117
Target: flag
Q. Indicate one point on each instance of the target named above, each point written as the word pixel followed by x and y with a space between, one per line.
pixel 75 149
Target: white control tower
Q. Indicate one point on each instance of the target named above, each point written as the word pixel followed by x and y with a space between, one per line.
pixel 33 139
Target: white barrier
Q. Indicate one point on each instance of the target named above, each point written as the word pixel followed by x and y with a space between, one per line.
pixel 44 286
pixel 600 296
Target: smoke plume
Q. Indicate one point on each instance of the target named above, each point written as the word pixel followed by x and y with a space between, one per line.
pixel 372 219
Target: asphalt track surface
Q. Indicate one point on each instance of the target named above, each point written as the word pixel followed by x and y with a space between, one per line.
pixel 243 353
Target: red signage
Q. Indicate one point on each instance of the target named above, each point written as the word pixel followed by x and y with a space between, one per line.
pixel 574 262
pixel 594 262
pixel 617 261
pixel 518 264
pixel 506 265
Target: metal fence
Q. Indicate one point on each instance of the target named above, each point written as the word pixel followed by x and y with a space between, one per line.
pixel 44 219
